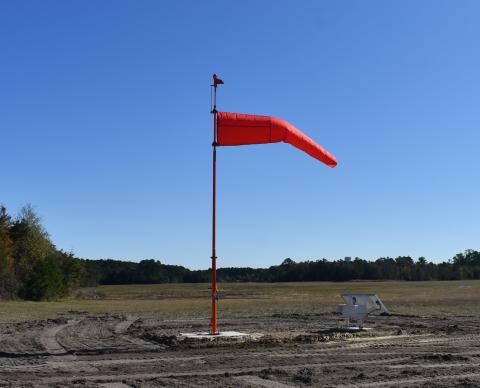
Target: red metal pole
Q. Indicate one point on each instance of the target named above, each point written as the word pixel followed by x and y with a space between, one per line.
pixel 214 324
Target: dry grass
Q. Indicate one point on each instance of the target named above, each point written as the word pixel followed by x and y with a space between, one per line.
pixel 253 299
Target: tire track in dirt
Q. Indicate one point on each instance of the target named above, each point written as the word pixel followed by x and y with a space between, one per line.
pixel 122 327
pixel 97 335
pixel 216 372
pixel 49 338
pixel 255 381
pixel 76 364
pixel 87 335
pixel 413 380
pixel 167 361
pixel 436 365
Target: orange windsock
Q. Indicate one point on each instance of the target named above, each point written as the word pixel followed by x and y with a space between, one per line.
pixel 235 129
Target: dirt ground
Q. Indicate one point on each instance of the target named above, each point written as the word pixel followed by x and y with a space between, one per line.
pixel 116 350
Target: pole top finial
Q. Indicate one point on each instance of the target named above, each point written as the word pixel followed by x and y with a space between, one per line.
pixel 216 80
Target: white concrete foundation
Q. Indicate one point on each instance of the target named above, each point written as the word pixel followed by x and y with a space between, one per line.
pixel 222 334
pixel 356 328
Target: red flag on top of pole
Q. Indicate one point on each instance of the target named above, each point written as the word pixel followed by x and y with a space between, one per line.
pixel 234 129
pixel 216 80
pixel 240 129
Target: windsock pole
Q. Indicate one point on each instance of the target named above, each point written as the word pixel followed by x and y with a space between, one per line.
pixel 214 320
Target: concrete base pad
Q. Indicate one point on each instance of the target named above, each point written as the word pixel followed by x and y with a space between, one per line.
pixel 222 334
pixel 356 328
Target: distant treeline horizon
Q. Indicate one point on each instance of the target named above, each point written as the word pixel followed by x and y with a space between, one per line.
pixel 33 268
pixel 462 266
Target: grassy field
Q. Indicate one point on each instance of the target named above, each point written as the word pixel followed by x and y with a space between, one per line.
pixel 170 301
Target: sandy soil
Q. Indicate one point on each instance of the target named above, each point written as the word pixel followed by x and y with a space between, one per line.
pixel 110 350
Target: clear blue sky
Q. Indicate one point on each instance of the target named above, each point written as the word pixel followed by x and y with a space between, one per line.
pixel 105 127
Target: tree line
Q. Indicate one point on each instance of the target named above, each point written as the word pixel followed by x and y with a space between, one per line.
pixel 31 267
pixel 461 267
